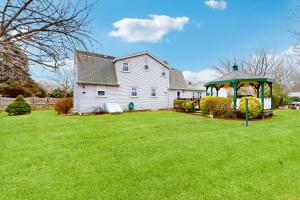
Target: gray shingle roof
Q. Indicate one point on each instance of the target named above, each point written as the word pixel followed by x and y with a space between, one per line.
pixel 95 69
pixel 237 75
pixel 177 80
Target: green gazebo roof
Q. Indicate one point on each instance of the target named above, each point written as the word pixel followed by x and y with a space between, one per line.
pixel 238 76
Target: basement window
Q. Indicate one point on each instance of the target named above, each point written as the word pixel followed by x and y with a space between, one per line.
pixel 101 92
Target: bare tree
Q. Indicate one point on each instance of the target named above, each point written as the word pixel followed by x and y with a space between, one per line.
pixel 12 69
pixel 44 31
pixel 262 63
pixel 64 79
pixel 295 86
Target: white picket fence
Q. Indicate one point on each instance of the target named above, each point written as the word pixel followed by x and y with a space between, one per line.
pixel 34 102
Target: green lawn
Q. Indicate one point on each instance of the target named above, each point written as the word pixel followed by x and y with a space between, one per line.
pixel 148 155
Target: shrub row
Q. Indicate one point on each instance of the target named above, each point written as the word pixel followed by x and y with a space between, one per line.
pixel 21 107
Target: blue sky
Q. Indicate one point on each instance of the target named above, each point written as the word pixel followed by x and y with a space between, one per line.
pixel 192 35
pixel 210 34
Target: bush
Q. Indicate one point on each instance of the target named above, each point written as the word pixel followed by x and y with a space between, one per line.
pixel 184 106
pixel 188 106
pixel 254 106
pixel 18 107
pixel 64 106
pixel 276 101
pixel 178 105
pixel 218 106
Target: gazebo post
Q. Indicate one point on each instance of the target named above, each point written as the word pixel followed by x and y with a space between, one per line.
pixel 206 91
pixel 271 92
pixel 211 91
pixel 234 95
pixel 263 95
pixel 257 90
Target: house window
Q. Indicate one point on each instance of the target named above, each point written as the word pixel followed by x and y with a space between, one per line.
pixel 134 92
pixel 125 67
pixel 101 92
pixel 146 67
pixel 163 72
pixel 153 92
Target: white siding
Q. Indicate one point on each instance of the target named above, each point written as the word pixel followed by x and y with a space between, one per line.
pixel 76 87
pixel 138 77
pixel 183 94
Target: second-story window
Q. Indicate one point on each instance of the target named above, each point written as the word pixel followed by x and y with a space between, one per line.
pixel 125 67
pixel 163 72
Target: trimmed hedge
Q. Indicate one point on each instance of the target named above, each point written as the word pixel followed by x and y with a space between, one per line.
pixel 254 106
pixel 18 107
pixel 217 106
pixel 64 106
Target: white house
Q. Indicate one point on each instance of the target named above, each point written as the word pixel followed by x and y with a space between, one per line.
pixel 141 78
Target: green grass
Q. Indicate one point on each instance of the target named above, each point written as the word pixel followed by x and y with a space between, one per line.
pixel 148 155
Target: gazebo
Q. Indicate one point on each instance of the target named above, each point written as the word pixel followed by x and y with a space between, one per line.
pixel 236 80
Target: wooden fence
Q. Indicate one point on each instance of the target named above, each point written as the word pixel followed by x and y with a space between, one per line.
pixel 34 102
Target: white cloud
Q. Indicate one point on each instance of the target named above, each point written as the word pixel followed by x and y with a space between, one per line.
pixel 200 77
pixel 147 30
pixel 216 4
